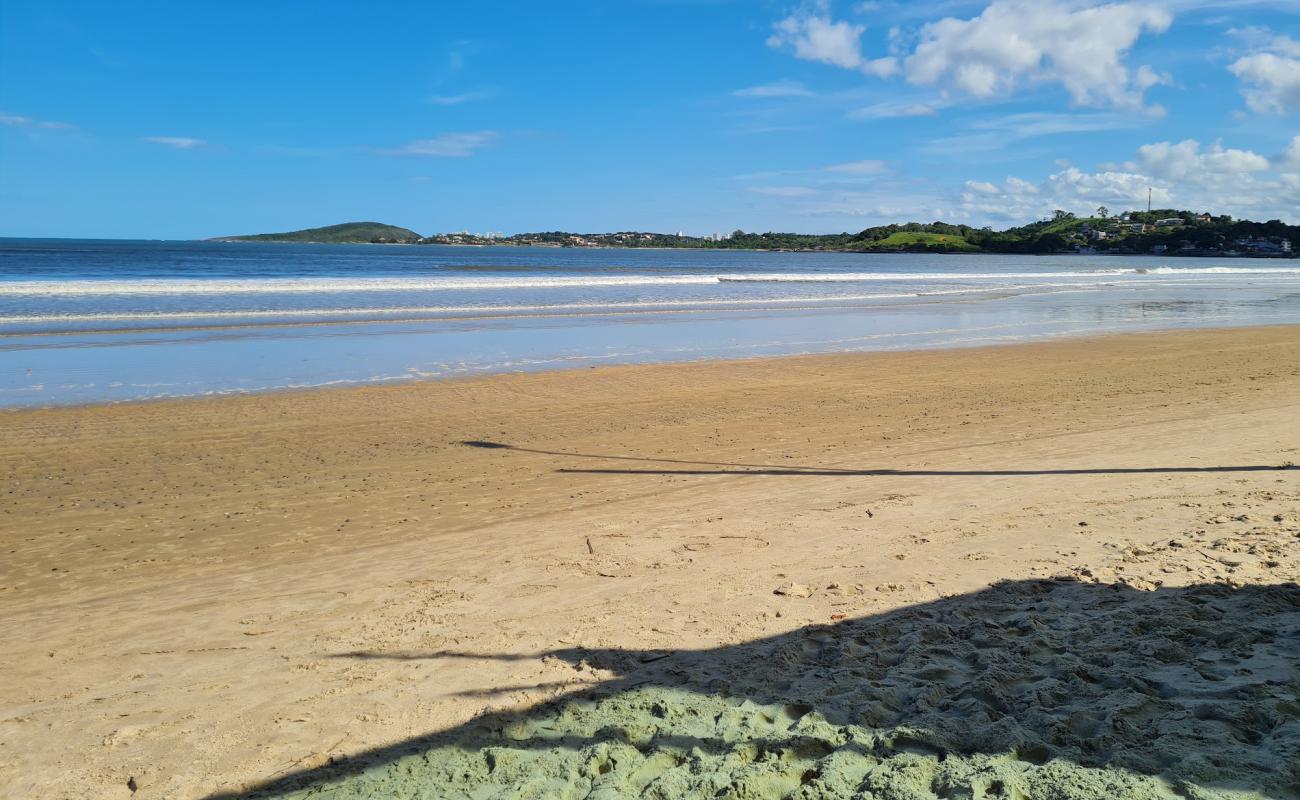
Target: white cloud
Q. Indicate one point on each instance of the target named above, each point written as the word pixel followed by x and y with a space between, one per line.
pixel 1183 175
pixel 1291 155
pixel 813 36
pixel 866 167
pixel 1270 79
pixel 1257 39
pixel 781 88
pixel 783 191
pixel 1185 160
pixel 1187 174
pixel 177 142
pixel 464 97
pixel 1032 124
pixel 1018 200
pixel 448 145
pixel 13 120
pixel 997 133
pixel 890 110
pixel 1012 43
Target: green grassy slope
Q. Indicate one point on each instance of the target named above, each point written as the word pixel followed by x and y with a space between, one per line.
pixel 903 240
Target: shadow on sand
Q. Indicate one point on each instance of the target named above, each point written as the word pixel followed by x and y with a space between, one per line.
pixel 738 468
pixel 1035 690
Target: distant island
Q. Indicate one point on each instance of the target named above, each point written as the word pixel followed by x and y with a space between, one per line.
pixel 346 233
pixel 1159 232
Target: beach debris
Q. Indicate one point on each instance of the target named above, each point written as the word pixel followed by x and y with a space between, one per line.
pixel 132 785
pixel 792 589
pixel 1232 559
pixel 591 550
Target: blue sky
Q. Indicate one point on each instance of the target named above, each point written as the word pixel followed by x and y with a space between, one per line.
pixel 196 119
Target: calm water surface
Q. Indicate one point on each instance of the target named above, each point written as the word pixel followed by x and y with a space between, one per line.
pixel 105 321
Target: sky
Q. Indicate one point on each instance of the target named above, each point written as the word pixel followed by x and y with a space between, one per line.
pixel 196 119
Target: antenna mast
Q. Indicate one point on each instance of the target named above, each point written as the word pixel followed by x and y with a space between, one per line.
pixel 1148 199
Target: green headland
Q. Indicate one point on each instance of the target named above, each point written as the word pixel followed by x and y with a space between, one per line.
pixel 1160 231
pixel 345 233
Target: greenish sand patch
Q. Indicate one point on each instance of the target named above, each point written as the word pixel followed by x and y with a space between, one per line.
pixel 1041 690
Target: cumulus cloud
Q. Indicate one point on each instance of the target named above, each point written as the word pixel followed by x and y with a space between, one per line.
pixel 1180 174
pixel 1015 199
pixel 781 88
pixel 814 36
pixel 1015 42
pixel 1186 174
pixel 1186 160
pixel 1011 44
pixel 1269 77
pixel 1291 155
pixel 448 145
pixel 177 142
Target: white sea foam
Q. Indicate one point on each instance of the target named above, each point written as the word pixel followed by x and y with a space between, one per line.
pixel 1099 274
pixel 179 286
pixel 407 311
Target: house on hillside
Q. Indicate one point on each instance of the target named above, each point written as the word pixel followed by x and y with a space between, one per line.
pixel 1259 246
pixel 1169 222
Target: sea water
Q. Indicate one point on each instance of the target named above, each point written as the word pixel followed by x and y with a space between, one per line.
pixel 108 321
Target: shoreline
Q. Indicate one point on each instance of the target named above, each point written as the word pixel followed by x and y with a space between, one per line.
pixel 899 251
pixel 206 595
pixel 403 381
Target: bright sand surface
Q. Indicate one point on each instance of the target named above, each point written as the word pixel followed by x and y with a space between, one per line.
pixel 756 578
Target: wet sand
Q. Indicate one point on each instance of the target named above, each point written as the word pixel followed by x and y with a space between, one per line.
pixel 774 574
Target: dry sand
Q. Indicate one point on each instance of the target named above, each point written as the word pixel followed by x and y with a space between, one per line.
pixel 1053 570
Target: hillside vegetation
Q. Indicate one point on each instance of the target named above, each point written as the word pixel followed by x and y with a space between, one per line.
pixel 346 233
pixel 1165 231
pixel 1162 231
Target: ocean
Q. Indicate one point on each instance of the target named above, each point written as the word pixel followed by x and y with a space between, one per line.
pixel 85 321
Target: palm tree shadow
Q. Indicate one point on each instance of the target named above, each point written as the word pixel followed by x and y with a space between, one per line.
pixel 1028 689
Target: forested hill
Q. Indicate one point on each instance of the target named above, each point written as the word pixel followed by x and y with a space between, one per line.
pixel 346 233
pixel 1161 231
pixel 1168 231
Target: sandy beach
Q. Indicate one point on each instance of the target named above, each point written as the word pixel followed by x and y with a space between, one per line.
pixel 1049 570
